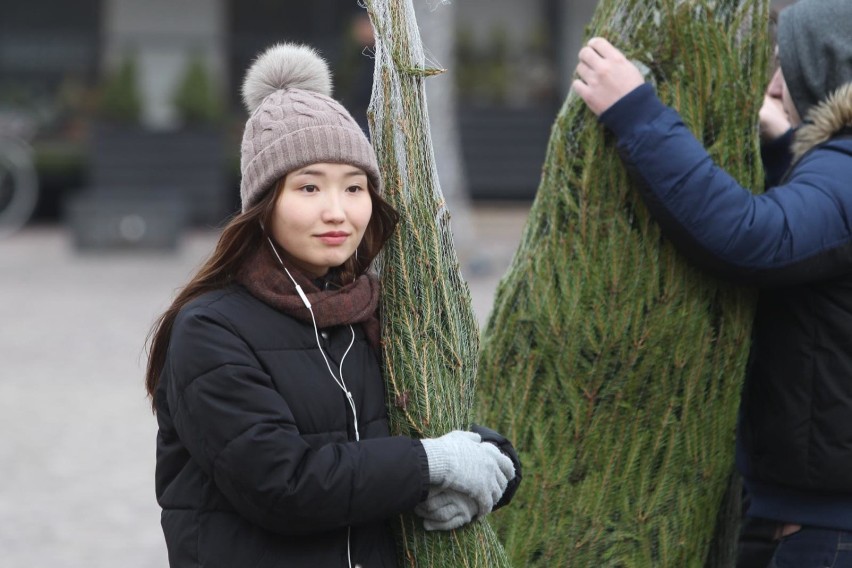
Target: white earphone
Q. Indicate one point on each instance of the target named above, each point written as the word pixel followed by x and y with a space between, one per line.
pixel 340 382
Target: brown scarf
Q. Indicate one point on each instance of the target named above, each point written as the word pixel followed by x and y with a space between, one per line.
pixel 353 303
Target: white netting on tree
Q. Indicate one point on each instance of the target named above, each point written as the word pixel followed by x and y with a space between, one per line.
pixel 430 334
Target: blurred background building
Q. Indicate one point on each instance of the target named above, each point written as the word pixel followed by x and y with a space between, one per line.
pixel 133 98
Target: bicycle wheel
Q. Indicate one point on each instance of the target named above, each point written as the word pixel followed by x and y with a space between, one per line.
pixel 18 186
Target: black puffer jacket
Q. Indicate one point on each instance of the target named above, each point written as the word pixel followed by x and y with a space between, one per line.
pixel 256 461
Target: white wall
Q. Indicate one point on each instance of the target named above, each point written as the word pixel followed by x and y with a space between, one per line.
pixel 523 18
pixel 518 17
pixel 163 35
pixel 521 21
pixel 576 15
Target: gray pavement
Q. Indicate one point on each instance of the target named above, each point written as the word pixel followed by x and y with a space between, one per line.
pixel 77 442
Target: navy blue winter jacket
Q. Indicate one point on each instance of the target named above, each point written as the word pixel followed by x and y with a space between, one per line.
pixel 794 443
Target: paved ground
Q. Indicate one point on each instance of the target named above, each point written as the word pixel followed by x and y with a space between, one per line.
pixel 76 432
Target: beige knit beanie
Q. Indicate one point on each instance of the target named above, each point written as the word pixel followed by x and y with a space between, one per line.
pixel 294 122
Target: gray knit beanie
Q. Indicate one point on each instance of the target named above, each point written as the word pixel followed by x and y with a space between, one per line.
pixel 294 122
pixel 815 49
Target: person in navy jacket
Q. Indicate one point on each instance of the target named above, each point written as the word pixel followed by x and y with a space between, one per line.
pixel 794 242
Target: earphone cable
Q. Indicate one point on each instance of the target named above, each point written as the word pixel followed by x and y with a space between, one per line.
pixel 340 382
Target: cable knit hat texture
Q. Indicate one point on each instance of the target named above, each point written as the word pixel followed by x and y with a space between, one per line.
pixel 815 49
pixel 294 122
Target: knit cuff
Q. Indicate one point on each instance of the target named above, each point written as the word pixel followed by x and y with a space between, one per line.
pixel 439 461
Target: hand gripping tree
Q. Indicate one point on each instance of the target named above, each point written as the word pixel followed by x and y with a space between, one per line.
pixel 431 337
pixel 613 365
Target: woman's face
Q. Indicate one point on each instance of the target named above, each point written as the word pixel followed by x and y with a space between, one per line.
pixel 320 215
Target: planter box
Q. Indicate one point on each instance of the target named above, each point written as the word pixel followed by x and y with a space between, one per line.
pixel 188 162
pixel 146 186
pixel 504 150
pixel 150 220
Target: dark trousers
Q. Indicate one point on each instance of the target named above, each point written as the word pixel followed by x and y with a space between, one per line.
pixel 757 543
pixel 810 547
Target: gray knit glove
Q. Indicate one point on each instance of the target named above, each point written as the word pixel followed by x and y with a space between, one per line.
pixel 460 461
pixel 446 509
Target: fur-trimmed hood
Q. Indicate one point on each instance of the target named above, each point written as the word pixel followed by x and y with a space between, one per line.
pixel 824 121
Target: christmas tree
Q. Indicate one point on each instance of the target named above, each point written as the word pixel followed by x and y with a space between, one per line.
pixel 430 334
pixel 613 365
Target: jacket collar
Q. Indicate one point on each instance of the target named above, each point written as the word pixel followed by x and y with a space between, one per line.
pixel 824 121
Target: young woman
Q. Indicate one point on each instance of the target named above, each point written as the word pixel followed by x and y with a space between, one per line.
pixel 273 445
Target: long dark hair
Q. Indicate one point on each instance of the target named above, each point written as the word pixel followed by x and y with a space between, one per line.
pixel 241 237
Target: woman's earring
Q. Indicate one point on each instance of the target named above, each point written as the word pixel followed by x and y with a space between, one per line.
pixel 356 255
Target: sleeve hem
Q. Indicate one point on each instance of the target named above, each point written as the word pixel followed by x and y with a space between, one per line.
pixel 424 469
pixel 639 106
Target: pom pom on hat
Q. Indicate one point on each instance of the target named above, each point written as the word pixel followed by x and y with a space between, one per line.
pixel 285 66
pixel 294 122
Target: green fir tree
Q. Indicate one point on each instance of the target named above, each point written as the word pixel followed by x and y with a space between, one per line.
pixel 430 334
pixel 197 99
pixel 614 365
pixel 120 100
